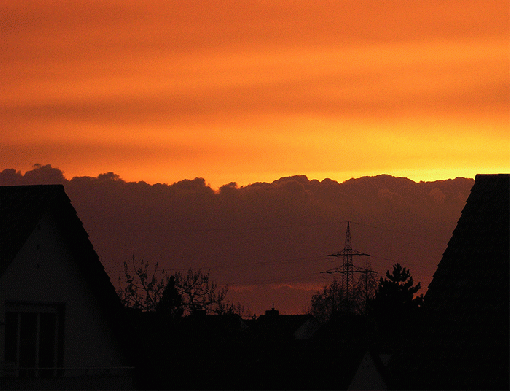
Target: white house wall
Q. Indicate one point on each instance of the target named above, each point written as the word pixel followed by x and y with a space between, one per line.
pixel 44 272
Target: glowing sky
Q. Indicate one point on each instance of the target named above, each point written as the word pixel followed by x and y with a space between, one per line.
pixel 249 91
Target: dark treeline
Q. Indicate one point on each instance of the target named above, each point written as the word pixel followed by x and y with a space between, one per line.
pixel 268 241
pixel 176 346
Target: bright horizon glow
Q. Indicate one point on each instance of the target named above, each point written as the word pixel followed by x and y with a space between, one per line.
pixel 253 91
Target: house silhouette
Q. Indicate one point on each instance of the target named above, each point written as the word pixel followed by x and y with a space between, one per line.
pixel 463 339
pixel 59 313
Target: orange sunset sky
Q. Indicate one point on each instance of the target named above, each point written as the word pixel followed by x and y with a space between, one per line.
pixel 248 91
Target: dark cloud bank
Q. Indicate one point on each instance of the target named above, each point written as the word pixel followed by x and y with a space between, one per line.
pixel 268 241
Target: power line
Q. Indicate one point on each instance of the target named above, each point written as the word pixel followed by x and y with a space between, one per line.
pixel 348 269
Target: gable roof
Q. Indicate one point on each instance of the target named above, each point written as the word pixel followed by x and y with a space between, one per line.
pixel 371 373
pixel 21 209
pixel 464 340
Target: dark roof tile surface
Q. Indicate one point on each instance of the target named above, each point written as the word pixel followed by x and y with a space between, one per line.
pixel 463 342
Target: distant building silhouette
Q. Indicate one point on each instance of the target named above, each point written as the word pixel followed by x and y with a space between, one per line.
pixel 464 339
pixel 272 325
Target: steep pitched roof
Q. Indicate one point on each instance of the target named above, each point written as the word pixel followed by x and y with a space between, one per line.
pixel 474 267
pixel 464 342
pixel 21 209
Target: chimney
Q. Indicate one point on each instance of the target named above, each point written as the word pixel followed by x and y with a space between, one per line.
pixel 272 312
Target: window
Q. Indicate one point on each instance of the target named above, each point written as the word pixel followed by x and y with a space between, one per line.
pixel 34 338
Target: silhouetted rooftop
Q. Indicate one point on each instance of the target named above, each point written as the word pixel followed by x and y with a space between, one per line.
pixel 21 209
pixel 464 343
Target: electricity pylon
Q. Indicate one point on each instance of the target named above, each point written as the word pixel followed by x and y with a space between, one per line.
pixel 348 269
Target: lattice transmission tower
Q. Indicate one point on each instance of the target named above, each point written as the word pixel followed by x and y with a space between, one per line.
pixel 348 269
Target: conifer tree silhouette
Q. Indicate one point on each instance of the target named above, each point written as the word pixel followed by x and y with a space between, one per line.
pixel 395 305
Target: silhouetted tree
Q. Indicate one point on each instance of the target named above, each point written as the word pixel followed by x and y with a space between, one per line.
pixel 333 298
pixel 395 306
pixel 197 290
pixel 142 288
pixel 395 294
pixel 199 293
pixel 171 304
pixel 151 289
pixel 327 301
pixel 365 286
